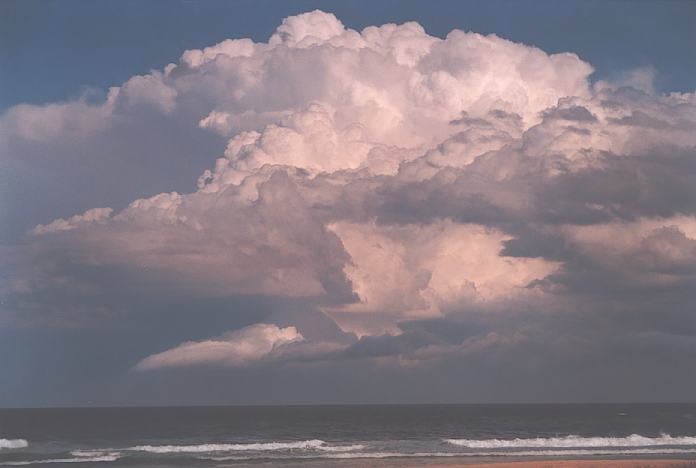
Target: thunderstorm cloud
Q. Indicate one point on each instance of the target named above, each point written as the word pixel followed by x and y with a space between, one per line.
pixel 403 201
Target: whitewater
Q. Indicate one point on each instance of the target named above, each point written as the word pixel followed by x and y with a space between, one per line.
pixel 334 435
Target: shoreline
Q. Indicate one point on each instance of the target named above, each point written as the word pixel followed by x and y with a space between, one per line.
pixel 581 463
pixel 457 462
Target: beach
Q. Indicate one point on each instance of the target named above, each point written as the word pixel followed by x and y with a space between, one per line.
pixel 580 464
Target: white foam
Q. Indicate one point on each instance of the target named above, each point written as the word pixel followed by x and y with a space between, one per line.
pixel 340 448
pixel 103 458
pixel 94 453
pixel 13 443
pixel 520 453
pixel 326 455
pixel 589 452
pixel 573 441
pixel 378 455
pixel 303 444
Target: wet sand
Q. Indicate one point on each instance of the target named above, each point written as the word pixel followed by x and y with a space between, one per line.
pixel 469 463
pixel 648 463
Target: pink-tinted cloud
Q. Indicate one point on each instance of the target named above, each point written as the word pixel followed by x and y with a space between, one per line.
pixel 387 177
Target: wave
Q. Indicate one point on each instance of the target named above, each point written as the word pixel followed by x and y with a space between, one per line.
pixel 82 459
pixel 589 452
pixel 267 446
pixel 520 453
pixel 94 456
pixel 341 448
pixel 574 441
pixel 327 455
pixel 13 443
pixel 94 453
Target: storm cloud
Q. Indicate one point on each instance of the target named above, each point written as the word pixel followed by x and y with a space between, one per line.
pixel 403 201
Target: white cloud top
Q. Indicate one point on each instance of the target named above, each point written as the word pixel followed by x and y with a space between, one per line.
pixel 388 176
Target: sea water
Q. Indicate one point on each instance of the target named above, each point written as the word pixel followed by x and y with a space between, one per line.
pixel 350 435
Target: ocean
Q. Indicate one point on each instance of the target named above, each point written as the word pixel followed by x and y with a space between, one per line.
pixel 350 435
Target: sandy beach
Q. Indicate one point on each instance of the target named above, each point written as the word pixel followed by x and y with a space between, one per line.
pixel 584 464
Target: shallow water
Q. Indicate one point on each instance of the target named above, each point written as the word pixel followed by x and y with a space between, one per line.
pixel 292 435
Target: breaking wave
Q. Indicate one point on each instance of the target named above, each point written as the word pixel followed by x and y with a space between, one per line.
pixel 574 441
pixel 518 453
pixel 13 443
pixel 81 459
pixel 268 446
pixel 572 445
pixel 94 453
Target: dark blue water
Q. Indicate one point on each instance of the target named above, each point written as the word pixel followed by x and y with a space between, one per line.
pixel 325 435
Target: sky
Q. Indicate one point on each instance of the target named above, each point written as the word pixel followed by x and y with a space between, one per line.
pixel 333 202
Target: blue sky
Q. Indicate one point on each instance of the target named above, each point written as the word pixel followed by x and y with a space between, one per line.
pixel 53 50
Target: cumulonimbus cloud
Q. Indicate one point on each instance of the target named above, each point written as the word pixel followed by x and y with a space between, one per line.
pixel 390 176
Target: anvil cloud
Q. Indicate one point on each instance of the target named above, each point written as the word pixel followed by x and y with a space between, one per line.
pixel 466 198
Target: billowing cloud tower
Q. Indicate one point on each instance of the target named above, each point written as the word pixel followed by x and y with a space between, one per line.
pixel 464 198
